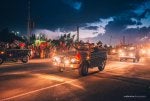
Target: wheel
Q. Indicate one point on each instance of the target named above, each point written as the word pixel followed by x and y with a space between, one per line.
pixel 61 69
pixel 14 60
pixel 134 60
pixel 138 59
pixel 83 69
pixel 25 59
pixel 121 59
pixel 102 66
pixel 1 61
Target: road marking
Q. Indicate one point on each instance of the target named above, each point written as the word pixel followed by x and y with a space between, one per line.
pixel 41 89
pixel 23 72
pixel 49 87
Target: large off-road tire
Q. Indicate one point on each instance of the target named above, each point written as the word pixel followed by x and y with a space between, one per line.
pixel 101 67
pixel 121 59
pixel 61 69
pixel 136 60
pixel 1 61
pixel 83 69
pixel 25 59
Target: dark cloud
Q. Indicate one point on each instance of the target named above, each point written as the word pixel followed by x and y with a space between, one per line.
pixel 119 24
pixel 53 14
pixel 143 15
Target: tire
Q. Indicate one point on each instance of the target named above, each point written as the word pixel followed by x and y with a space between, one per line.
pixel 15 60
pixel 1 61
pixel 102 66
pixel 121 59
pixel 25 59
pixel 83 69
pixel 60 69
pixel 134 60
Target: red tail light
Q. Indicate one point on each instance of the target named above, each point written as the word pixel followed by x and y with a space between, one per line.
pixel 78 56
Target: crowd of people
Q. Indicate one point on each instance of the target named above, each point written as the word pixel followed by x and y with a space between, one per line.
pixel 44 49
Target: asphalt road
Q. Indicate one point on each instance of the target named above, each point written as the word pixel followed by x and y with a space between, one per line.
pixel 38 80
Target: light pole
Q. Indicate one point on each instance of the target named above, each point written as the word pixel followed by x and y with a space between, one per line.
pixel 29 20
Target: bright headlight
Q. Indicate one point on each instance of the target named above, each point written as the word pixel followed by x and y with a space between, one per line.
pixel 73 60
pixel 120 50
pixel 57 59
pixel 113 51
pixel 122 54
pixel 131 55
pixel 143 51
pixel 66 62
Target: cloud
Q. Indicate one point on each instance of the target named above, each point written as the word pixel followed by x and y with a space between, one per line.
pixel 91 27
pixel 73 4
pixel 48 33
pixel 112 17
pixel 119 24
pixel 58 13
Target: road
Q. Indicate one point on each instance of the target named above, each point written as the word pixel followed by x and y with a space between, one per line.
pixel 38 80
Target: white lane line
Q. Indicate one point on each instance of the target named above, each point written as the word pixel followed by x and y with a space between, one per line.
pixel 22 72
pixel 38 90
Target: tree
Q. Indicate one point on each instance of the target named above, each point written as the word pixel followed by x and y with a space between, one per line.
pixel 32 39
pixel 7 36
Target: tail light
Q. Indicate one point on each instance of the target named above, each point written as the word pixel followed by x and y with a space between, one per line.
pixel 78 56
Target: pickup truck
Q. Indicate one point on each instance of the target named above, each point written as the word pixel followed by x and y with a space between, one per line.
pixel 82 58
pixel 129 53
pixel 14 55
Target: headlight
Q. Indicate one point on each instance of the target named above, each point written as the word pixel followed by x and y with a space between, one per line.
pixel 143 51
pixel 132 48
pixel 131 54
pixel 73 60
pixel 66 61
pixel 1 52
pixel 120 50
pixel 113 51
pixel 122 54
pixel 57 59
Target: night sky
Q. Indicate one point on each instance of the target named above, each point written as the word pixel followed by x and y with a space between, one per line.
pixel 99 19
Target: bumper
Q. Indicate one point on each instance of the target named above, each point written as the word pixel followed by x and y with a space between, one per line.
pixel 127 57
pixel 68 65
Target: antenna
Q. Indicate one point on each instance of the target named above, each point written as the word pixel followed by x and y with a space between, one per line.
pixel 29 20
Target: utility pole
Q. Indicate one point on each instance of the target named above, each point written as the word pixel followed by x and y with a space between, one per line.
pixel 110 39
pixel 77 33
pixel 29 20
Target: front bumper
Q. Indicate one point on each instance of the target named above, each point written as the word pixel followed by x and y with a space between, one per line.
pixel 127 57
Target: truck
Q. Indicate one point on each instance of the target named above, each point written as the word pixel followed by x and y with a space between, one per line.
pixel 130 52
pixel 14 55
pixel 83 57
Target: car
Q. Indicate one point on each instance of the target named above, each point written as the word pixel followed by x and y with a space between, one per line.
pixel 82 58
pixel 129 53
pixel 14 55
